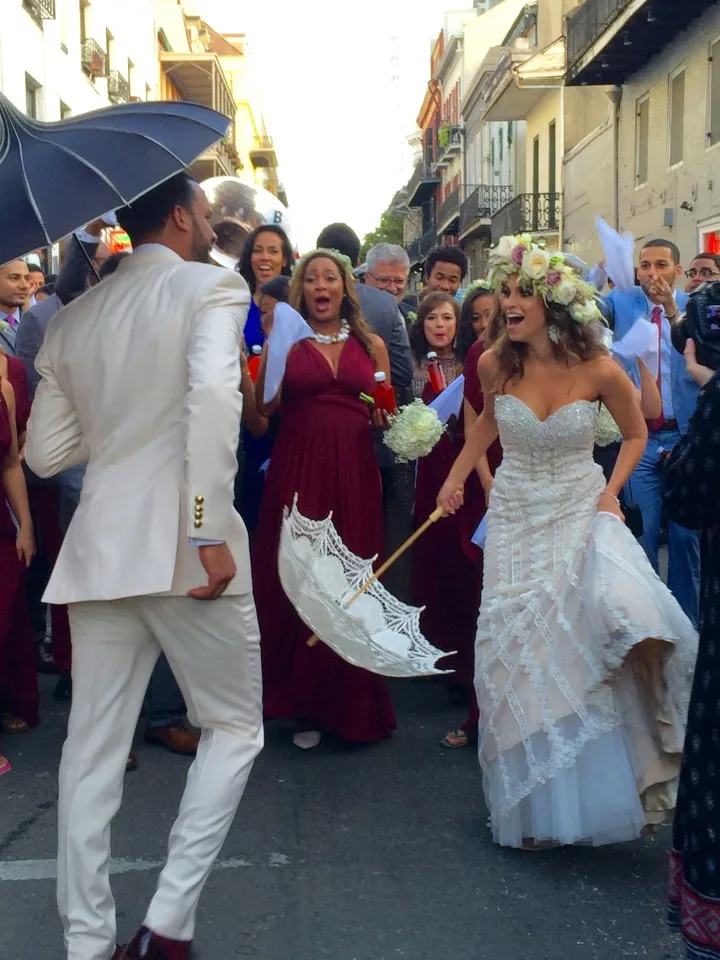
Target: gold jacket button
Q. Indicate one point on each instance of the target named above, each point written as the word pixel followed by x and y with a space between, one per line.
pixel 198 524
pixel 199 499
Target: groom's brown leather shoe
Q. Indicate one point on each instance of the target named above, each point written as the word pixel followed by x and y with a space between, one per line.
pixel 147 945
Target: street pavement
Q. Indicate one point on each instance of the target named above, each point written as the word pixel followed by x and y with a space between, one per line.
pixel 341 853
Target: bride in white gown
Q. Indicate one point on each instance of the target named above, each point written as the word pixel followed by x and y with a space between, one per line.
pixel 583 658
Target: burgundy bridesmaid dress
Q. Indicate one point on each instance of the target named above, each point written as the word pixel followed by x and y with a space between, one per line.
pixel 324 452
pixel 19 694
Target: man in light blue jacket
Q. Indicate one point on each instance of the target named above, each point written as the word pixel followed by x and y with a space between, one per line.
pixel 657 300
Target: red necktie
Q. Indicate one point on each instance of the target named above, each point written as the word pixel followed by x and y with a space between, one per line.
pixel 657 319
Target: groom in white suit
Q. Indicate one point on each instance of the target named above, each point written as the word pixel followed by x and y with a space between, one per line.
pixel 141 380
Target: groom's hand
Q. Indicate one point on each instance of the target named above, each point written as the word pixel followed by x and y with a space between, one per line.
pixel 220 568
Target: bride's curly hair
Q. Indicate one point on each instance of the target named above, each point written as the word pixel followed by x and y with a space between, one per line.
pixel 577 343
pixel 350 309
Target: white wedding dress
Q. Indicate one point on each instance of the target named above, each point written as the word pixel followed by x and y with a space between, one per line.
pixel 583 658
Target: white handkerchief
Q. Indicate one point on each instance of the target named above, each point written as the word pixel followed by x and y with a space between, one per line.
pixel 641 342
pixel 480 535
pixel 288 329
pixel 449 402
pixel 619 252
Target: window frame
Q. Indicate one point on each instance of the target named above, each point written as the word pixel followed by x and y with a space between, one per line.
pixel 639 104
pixel 712 61
pixel 672 77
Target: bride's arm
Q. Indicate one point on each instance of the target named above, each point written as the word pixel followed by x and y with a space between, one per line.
pixel 477 440
pixel 619 395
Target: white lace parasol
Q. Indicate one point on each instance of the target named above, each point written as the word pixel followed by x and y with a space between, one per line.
pixel 370 629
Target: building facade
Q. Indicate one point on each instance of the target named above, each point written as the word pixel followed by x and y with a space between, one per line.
pixel 61 57
pixel 648 159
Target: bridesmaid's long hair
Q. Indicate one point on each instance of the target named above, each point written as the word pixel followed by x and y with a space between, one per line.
pixel 350 309
pixel 577 343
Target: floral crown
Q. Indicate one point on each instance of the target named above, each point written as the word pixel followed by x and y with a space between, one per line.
pixel 549 275
pixel 324 252
pixel 478 286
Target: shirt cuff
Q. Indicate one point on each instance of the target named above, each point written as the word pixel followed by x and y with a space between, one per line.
pixel 196 542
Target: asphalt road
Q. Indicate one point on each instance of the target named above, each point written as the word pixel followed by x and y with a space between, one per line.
pixel 372 853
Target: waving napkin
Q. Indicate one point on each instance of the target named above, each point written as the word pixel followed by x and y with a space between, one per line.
pixel 448 403
pixel 619 251
pixel 288 329
pixel 640 343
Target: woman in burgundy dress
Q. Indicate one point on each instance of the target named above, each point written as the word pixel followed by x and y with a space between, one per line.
pixel 18 678
pixel 324 453
pixel 445 575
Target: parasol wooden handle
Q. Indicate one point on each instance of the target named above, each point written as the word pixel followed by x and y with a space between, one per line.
pixel 433 518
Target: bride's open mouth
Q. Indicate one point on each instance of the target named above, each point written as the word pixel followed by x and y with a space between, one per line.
pixel 322 305
pixel 513 320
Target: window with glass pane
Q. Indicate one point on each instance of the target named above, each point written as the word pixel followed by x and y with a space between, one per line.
pixel 676 117
pixel 642 140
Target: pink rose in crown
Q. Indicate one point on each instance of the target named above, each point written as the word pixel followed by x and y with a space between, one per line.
pixel 554 277
pixel 518 254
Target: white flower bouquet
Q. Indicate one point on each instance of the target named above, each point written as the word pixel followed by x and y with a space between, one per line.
pixel 414 431
pixel 606 430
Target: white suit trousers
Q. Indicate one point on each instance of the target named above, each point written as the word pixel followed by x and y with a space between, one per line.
pixel 214 651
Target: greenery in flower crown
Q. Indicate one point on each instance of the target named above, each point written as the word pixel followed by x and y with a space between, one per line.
pixel 478 286
pixel 324 252
pixel 548 275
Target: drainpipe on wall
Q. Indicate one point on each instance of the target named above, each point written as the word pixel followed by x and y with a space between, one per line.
pixel 615 96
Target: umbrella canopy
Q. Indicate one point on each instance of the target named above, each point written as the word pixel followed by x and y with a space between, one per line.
pixel 54 177
pixel 322 577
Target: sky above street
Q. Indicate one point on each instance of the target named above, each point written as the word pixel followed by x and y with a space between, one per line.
pixel 341 85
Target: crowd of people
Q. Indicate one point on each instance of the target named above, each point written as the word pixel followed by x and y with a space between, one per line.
pixel 576 678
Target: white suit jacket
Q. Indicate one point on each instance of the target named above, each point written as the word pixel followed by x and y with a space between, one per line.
pixel 141 380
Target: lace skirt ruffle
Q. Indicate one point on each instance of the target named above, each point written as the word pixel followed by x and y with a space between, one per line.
pixel 583 671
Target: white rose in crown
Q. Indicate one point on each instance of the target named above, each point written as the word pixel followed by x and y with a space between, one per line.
pixel 505 247
pixel 590 312
pixel 536 264
pixel 564 292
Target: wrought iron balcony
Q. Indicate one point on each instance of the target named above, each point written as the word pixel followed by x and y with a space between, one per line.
pixel 422 184
pixel 40 10
pixel 483 203
pixel 118 87
pixel 428 240
pixel 93 58
pixel 609 40
pixel 413 251
pixel 527 213
pixel 262 152
pixel 449 213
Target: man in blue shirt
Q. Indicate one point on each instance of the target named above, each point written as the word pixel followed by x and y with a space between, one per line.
pixel 657 300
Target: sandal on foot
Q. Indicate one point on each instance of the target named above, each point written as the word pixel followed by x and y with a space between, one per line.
pixel 11 724
pixel 455 739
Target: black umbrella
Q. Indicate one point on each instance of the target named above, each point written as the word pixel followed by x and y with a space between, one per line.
pixel 54 177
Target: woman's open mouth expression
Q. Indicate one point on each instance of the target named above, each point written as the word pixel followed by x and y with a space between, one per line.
pixel 323 290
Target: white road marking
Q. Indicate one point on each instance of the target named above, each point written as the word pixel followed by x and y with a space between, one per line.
pixel 16 870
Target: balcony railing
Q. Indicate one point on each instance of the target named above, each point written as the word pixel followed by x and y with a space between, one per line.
pixel 483 203
pixel 422 184
pixel 528 213
pixel 264 143
pixel 587 24
pixel 428 240
pixel 94 58
pixel 118 87
pixel 413 251
pixel 40 10
pixel 449 208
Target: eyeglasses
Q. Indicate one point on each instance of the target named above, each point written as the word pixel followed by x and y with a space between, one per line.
pixel 389 281
pixel 705 273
